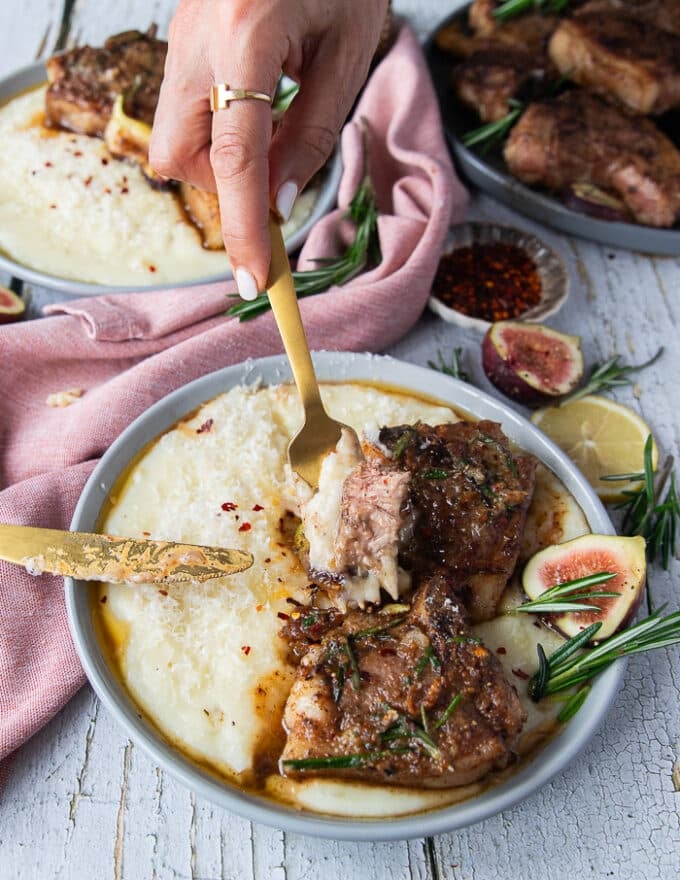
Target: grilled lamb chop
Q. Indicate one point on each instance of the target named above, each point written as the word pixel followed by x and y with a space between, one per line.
pixel 510 61
pixel 627 50
pixel 468 498
pixel 84 82
pixel 402 699
pixel 580 138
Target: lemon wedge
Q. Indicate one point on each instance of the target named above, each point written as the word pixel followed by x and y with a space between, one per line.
pixel 601 437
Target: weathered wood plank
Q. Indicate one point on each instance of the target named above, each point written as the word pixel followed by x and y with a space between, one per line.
pixel 28 32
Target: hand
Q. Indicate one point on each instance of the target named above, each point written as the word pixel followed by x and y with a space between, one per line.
pixel 324 45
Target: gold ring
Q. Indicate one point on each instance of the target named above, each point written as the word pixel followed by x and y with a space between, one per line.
pixel 221 96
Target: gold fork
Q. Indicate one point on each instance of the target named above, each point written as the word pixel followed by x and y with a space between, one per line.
pixel 319 433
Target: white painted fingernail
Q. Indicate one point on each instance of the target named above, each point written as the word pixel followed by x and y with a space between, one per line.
pixel 246 284
pixel 285 199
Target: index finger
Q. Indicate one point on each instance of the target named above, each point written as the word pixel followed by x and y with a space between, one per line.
pixel 241 134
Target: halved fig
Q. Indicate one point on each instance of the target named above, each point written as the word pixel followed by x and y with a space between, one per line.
pixel 591 554
pixel 12 307
pixel 531 363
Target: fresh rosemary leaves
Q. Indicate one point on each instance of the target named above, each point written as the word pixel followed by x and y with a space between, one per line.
pixel 363 251
pixel 454 367
pixel 610 374
pixel 492 132
pixel 569 665
pixel 569 596
pixel 510 8
pixel 646 513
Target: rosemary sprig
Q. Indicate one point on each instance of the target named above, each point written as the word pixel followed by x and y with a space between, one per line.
pixel 492 132
pixel 645 513
pixel 286 90
pixel 405 728
pixel 453 368
pixel 567 596
pixel 566 667
pixel 610 374
pixel 574 703
pixel 510 8
pixel 362 252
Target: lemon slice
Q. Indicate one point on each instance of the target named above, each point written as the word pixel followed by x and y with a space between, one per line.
pixel 601 437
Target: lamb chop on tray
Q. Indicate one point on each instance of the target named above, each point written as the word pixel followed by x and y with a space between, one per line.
pixel 627 50
pixel 579 138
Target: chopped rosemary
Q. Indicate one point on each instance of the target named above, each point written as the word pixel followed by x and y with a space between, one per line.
pixel 362 252
pixel 341 762
pixel 355 676
pixel 510 8
pixel 381 628
pixel 435 474
pixel 448 712
pixel 453 368
pixel 569 665
pixel 645 513
pixel 430 657
pixel 492 132
pixel 569 596
pixel 610 374
pixel 405 728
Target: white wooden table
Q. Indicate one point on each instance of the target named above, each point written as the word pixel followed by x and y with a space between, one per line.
pixel 83 802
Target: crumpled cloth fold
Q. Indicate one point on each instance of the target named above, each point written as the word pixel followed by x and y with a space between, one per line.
pixel 125 351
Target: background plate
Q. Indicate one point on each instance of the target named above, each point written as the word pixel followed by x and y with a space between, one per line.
pixel 336 367
pixel 34 75
pixel 489 173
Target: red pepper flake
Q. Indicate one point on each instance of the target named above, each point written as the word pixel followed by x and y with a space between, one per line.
pixel 282 615
pixel 163 592
pixel 493 281
pixel 88 180
pixel 268 560
pixel 105 161
pixel 152 268
pixel 78 153
pixel 520 673
pixel 259 608
pixel 229 505
pixel 53 206
pixel 245 649
pixel 244 527
pixel 124 190
pixel 147 534
pixel 107 190
pixel 205 427
pixel 501 650
pixel 257 507
pixel 103 600
pixel 48 165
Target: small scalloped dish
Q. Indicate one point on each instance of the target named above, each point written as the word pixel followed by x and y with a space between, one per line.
pixel 551 270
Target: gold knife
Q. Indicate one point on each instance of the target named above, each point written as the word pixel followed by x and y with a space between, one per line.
pixel 116 560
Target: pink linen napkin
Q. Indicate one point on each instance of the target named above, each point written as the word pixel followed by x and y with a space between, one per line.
pixel 126 351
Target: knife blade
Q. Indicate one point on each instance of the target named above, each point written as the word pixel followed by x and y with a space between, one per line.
pixel 113 559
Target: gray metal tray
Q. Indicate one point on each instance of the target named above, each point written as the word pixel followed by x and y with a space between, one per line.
pixel 488 172
pixel 34 75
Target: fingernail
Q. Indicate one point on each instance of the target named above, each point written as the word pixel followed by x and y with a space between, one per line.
pixel 285 198
pixel 246 284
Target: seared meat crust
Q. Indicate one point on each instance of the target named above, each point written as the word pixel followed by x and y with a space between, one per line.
pixel 377 688
pixel 468 498
pixel 580 138
pixel 614 49
pixel 84 82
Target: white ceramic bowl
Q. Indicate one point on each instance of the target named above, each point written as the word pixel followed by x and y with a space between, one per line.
pixel 555 756
pixel 551 270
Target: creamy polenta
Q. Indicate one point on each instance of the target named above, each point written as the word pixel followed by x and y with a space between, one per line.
pixel 205 663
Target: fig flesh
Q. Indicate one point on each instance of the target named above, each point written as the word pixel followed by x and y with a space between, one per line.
pixel 531 363
pixel 12 307
pixel 590 554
